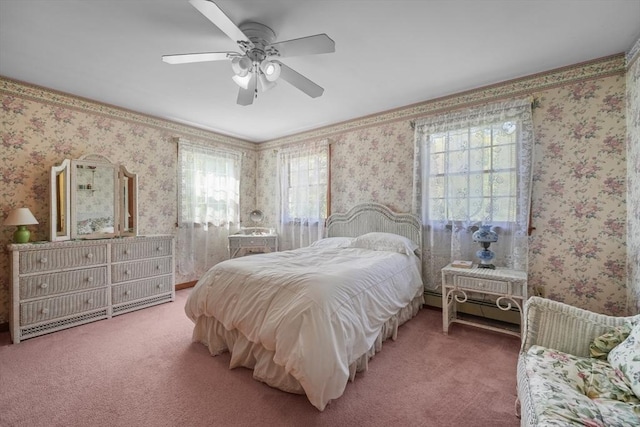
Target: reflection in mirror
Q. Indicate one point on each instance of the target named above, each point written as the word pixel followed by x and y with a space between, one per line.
pixel 95 197
pixel 92 198
pixel 129 197
pixel 59 202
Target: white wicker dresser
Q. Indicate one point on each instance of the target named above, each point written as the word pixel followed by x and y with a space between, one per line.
pixel 57 285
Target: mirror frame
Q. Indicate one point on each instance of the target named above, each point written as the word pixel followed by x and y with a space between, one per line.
pixel 64 187
pixel 59 202
pixel 128 183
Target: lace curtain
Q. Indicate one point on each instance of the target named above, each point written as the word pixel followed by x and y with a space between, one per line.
pixel 208 206
pixel 302 199
pixel 474 167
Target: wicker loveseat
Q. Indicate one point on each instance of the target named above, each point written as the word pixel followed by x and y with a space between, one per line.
pixel 561 384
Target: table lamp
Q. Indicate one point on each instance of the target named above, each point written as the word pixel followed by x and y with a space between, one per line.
pixel 485 236
pixel 21 217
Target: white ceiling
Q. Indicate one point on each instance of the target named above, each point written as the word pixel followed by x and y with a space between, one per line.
pixel 389 53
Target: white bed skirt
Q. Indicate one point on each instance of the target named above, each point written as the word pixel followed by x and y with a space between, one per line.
pixel 245 353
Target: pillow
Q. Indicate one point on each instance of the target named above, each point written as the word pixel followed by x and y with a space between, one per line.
pixel 602 345
pixel 333 242
pixel 385 242
pixel 625 358
pixel 84 227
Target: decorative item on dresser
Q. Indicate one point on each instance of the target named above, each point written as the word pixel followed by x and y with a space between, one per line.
pixel 509 286
pixel 92 198
pixel 21 217
pixel 57 285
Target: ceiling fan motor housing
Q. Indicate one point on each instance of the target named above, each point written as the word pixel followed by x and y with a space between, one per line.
pixel 261 36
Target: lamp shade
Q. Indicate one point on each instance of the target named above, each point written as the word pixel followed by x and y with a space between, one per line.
pixel 270 69
pixel 264 83
pixel 243 81
pixel 241 66
pixel 485 234
pixel 20 216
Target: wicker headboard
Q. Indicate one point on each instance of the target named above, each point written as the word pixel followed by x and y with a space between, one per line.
pixel 374 217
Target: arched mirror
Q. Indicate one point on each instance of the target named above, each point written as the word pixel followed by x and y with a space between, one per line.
pixel 96 198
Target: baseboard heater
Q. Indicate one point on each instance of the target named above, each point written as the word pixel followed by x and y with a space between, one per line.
pixel 476 307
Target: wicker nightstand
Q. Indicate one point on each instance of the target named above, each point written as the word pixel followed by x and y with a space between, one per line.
pixel 252 240
pixel 509 286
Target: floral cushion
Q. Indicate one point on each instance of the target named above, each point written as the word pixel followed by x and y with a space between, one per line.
pixel 626 359
pixel 571 390
pixel 602 345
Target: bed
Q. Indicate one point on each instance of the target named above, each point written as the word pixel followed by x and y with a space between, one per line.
pixel 307 320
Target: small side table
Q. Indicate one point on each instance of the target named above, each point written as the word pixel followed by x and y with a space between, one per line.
pixel 510 286
pixel 243 244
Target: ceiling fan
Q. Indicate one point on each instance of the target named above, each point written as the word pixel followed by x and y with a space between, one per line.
pixel 254 66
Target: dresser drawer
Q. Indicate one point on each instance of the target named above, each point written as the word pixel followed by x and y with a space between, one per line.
pixel 62 306
pixel 56 283
pixel 52 259
pixel 140 289
pixel 127 251
pixel 483 285
pixel 123 272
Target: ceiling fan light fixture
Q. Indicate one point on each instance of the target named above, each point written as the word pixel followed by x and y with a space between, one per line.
pixel 270 69
pixel 241 65
pixel 264 84
pixel 242 81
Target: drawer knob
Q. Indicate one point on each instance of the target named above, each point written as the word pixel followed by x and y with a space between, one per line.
pixel 90 301
pixel 44 286
pixel 89 255
pixel 44 260
pixel 44 310
pixel 481 285
pixel 128 292
pixel 157 267
pixel 90 279
pixel 127 272
pixel 159 285
pixel 159 248
pixel 127 251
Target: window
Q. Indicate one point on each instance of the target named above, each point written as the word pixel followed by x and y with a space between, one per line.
pixel 208 206
pixel 474 167
pixel 209 186
pixel 303 174
pixel 472 173
pixel 304 186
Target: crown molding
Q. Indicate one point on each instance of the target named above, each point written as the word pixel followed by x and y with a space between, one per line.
pixel 44 95
pixel 602 67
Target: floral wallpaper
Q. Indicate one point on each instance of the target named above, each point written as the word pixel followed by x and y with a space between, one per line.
pixel 578 251
pixel 586 191
pixel 633 176
pixel 39 128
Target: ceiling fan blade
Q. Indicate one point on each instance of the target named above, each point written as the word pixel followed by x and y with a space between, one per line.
pixel 184 58
pixel 214 14
pixel 299 81
pixel 320 43
pixel 245 96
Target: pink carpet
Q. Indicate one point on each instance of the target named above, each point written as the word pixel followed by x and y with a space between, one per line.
pixel 141 369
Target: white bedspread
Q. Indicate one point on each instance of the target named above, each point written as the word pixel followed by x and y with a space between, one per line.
pixel 317 309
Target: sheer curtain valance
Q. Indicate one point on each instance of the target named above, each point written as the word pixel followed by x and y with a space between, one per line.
pixel 474 167
pixel 208 205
